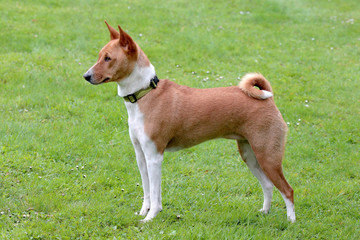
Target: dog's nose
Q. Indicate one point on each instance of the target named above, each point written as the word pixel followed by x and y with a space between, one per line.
pixel 87 77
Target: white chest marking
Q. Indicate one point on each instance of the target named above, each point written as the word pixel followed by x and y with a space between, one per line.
pixel 137 129
pixel 138 79
pixel 135 120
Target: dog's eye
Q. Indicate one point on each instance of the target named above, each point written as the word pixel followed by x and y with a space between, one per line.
pixel 107 59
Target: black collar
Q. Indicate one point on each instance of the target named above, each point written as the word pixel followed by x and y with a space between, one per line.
pixel 133 98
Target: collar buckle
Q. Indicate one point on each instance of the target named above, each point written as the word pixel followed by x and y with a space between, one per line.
pixel 131 98
pixel 154 81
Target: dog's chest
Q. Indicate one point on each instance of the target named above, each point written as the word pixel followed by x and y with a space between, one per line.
pixel 135 121
pixel 135 116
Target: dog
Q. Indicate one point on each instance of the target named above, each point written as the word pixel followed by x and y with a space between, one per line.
pixel 164 116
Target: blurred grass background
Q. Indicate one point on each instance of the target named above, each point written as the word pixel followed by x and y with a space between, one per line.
pixel 67 167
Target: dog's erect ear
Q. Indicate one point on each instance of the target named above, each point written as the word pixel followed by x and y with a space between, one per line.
pixel 113 33
pixel 126 41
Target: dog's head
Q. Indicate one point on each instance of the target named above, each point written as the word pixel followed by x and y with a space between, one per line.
pixel 116 59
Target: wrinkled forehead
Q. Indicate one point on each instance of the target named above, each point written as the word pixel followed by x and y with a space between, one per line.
pixel 110 47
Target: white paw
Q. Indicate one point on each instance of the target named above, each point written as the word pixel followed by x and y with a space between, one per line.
pixel 152 213
pixel 264 211
pixel 292 218
pixel 145 220
pixel 144 210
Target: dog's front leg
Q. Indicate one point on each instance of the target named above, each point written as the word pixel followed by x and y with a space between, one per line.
pixel 141 162
pixel 153 163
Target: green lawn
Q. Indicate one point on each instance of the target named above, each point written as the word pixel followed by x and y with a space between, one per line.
pixel 67 166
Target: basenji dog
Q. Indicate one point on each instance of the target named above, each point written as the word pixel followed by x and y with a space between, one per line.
pixel 164 116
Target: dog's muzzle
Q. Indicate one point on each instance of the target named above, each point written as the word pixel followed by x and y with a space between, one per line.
pixel 87 77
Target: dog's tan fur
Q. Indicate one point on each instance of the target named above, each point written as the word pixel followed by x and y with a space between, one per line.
pixel 178 117
pixel 198 115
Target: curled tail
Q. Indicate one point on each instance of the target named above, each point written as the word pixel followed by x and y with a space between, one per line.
pixel 255 85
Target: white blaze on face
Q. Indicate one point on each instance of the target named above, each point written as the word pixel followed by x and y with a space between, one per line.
pixel 89 72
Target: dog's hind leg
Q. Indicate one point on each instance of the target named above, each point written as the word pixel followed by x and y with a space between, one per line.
pixel 276 175
pixel 249 158
pixel 269 153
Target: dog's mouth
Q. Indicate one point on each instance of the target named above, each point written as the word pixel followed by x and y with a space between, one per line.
pixel 106 79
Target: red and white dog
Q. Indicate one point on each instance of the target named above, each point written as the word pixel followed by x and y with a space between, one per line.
pixel 165 116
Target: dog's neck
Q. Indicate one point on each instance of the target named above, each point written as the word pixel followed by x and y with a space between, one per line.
pixel 139 78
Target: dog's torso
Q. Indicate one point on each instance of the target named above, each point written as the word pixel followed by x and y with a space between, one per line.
pixel 175 116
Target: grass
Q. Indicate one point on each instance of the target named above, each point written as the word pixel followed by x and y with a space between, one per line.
pixel 67 167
